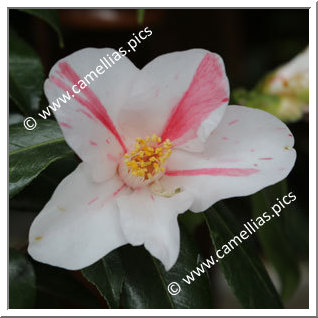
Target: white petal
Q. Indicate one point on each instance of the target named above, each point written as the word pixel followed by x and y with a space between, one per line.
pixel 88 120
pixel 80 224
pixel 291 78
pixel 152 220
pixel 298 65
pixel 248 151
pixel 181 96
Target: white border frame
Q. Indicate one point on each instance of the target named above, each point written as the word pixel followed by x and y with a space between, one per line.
pixel 312 160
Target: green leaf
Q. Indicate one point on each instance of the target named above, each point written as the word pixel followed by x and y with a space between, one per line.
pixel 59 288
pixel 285 107
pixel 146 280
pixel 242 268
pixel 30 152
pixel 191 221
pixel 108 277
pixel 39 191
pixel 274 240
pixel 51 17
pixel 15 118
pixel 296 226
pixel 140 16
pixel 22 291
pixel 25 75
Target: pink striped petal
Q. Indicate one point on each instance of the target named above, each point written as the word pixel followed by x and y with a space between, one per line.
pixel 229 168
pixel 228 172
pixel 207 92
pixel 91 112
pixel 91 101
pixel 181 96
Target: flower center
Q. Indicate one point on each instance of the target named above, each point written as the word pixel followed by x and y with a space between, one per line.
pixel 146 163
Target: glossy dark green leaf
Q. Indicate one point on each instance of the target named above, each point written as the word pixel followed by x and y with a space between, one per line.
pixel 15 118
pixel 108 276
pixel 22 291
pixel 191 221
pixel 25 75
pixel 51 17
pixel 60 288
pixel 38 193
pixel 146 280
pixel 242 268
pixel 274 240
pixel 30 152
pixel 297 230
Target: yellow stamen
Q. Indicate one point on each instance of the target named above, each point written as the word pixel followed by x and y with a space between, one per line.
pixel 148 156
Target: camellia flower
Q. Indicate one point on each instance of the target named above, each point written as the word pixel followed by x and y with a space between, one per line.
pixel 154 143
pixel 290 85
pixel 291 79
pixel 283 92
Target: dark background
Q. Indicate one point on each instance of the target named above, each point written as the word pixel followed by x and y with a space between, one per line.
pixel 251 42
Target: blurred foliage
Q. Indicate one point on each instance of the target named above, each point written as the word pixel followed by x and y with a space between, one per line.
pixel 30 152
pixel 25 75
pixel 286 108
pixel 283 92
pixel 130 277
pixel 22 286
pixel 274 240
pixel 141 16
pixel 49 16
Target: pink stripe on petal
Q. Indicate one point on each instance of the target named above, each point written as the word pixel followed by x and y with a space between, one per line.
pixel 233 122
pixel 85 113
pixel 229 172
pixel 92 103
pixel 225 138
pixel 205 94
pixel 58 82
pixel 111 157
pixel 266 158
pixel 119 189
pixel 66 125
pixel 92 201
pixel 93 143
